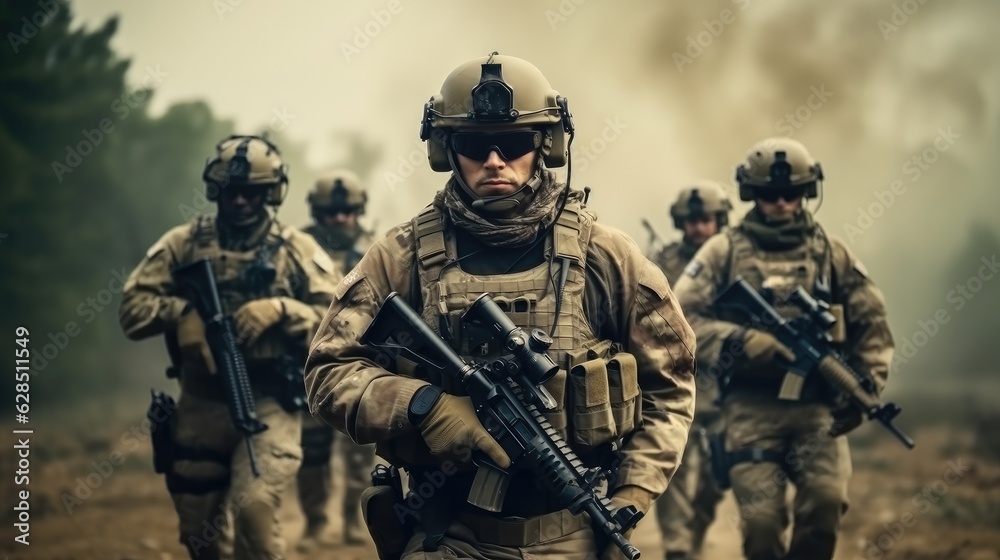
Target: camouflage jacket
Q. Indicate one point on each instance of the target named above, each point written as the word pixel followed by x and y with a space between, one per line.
pixel 635 308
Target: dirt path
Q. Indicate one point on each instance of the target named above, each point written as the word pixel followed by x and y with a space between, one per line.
pixel 129 515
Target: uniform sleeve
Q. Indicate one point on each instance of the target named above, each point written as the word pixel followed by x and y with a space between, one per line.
pixel 869 341
pixel 663 344
pixel 696 290
pixel 150 304
pixel 314 284
pixel 347 386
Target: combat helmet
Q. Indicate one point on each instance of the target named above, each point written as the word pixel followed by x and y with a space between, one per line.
pixel 339 189
pixel 778 163
pixel 701 198
pixel 242 160
pixel 491 92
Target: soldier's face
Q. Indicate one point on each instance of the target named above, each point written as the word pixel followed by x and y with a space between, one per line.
pixel 339 218
pixel 496 176
pixel 242 205
pixel 781 203
pixel 698 229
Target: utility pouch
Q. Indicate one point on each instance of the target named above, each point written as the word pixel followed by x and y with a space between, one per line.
pixel 593 423
pixel 719 459
pixel 626 398
pixel 161 409
pixel 557 417
pixel 379 503
pixel 838 331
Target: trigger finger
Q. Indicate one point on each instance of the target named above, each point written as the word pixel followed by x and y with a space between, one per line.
pixel 496 453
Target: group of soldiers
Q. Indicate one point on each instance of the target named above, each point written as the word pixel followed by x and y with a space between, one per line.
pixel 624 330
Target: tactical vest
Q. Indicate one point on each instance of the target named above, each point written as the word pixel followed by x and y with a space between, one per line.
pixel 669 260
pixel 343 259
pixel 241 276
pixel 529 299
pixel 777 274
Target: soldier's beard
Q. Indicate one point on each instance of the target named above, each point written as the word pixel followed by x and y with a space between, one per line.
pixel 241 220
pixel 340 237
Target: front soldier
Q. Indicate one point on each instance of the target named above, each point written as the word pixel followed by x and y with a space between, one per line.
pixel 336 201
pixel 277 283
pixel 687 508
pixel 770 441
pixel 503 225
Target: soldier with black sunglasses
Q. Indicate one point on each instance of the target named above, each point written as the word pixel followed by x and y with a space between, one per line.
pixel 623 397
pixel 773 438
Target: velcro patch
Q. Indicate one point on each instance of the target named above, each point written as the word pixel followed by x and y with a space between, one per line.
pixel 323 261
pixel 693 268
pixel 348 282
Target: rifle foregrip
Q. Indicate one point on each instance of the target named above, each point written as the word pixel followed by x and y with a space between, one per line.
pixel 841 377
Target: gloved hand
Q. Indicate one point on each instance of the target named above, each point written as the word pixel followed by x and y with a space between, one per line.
pixel 255 317
pixel 762 348
pixel 845 419
pixel 629 495
pixel 452 428
pixel 191 339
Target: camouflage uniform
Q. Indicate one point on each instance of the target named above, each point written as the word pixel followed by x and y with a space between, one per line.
pixel 538 251
pixel 210 478
pixel 687 508
pixel 315 481
pixel 780 258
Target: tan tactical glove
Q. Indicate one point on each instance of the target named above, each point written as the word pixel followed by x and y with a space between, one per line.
pixel 761 348
pixel 451 429
pixel 191 339
pixel 629 495
pixel 255 317
pixel 845 419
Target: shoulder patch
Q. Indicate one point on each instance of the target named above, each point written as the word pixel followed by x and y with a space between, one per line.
pixel 860 268
pixel 352 278
pixel 323 261
pixel 155 249
pixel 693 268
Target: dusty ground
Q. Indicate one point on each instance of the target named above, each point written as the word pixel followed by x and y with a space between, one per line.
pixel 129 515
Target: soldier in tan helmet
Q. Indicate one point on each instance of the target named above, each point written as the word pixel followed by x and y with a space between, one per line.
pixel 771 442
pixel 276 283
pixel 687 508
pixel 502 224
pixel 337 201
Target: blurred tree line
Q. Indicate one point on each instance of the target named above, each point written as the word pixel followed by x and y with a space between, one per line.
pixel 93 179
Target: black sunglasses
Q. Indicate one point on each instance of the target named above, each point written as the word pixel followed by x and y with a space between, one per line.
pixel 334 210
pixel 246 191
pixel 509 145
pixel 788 194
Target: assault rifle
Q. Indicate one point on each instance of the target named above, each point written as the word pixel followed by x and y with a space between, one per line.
pixel 507 394
pixel 198 281
pixel 809 339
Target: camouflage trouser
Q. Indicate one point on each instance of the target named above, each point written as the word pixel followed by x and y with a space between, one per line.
pixel 687 508
pixel 817 465
pixel 315 481
pixel 212 485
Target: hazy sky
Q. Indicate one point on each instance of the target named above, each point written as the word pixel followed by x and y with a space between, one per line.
pixel 866 88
